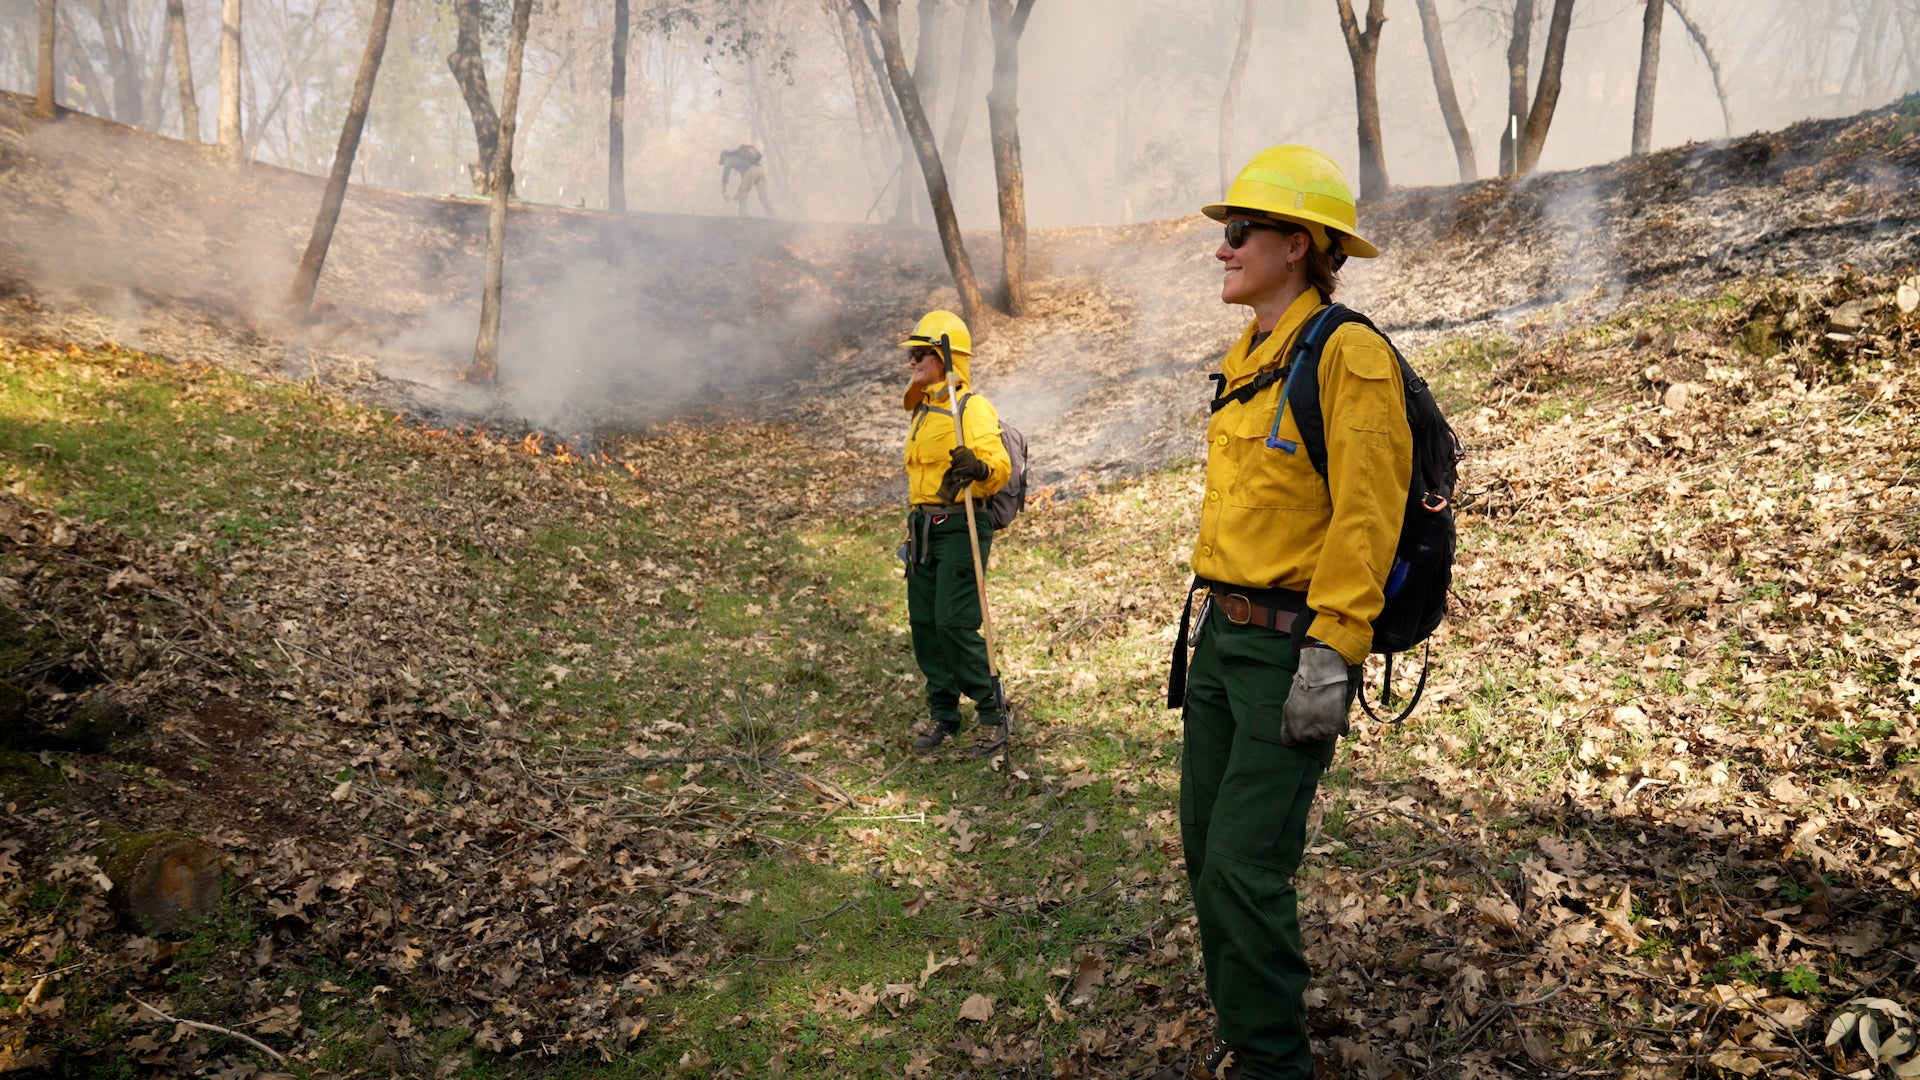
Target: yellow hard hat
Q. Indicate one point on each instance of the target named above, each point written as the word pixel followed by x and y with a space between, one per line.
pixel 935 323
pixel 1298 184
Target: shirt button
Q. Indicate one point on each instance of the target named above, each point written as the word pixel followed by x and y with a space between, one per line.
pixel 1206 549
pixel 1213 496
pixel 1223 440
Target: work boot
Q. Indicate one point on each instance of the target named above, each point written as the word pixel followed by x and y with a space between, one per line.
pixel 1221 1061
pixel 988 738
pixel 931 739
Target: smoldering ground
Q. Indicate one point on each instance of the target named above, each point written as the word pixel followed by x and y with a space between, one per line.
pixel 614 322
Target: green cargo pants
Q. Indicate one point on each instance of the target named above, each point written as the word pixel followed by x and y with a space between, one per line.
pixel 1244 800
pixel 943 610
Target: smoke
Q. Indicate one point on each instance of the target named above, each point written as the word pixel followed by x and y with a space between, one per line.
pixel 608 321
pixel 1119 102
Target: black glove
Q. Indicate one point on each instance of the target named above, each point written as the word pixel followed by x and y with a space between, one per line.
pixel 966 466
pixel 1317 705
pixel 966 469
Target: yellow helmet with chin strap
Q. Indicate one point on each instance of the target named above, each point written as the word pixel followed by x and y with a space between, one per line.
pixel 935 323
pixel 1301 185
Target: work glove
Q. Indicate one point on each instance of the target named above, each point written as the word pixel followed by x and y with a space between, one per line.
pixel 1317 705
pixel 966 469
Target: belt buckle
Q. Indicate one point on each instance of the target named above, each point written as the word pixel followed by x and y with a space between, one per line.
pixel 1232 601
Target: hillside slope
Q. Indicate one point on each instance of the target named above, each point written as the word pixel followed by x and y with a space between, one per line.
pixel 617 322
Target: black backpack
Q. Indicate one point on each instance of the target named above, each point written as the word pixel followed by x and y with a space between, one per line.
pixel 1416 590
pixel 1004 505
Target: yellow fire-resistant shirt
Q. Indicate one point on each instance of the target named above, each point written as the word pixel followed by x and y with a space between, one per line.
pixel 930 445
pixel 1268 520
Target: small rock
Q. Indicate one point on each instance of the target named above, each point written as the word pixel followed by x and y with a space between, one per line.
pixel 1851 315
pixel 1654 373
pixel 1676 396
pixel 1907 298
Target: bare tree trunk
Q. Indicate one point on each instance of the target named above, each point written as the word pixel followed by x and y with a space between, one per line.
pixel 860 72
pixel 1003 121
pixel 1519 47
pixel 926 75
pixel 470 71
pixel 183 64
pixel 43 102
pixel 1910 40
pixel 94 97
pixel 1364 47
pixel 1547 94
pixel 307 278
pixel 922 135
pixel 617 113
pixel 230 147
pixel 1236 78
pixel 1649 76
pixel 972 28
pixel 1713 65
pixel 486 350
pixel 1443 86
pixel 122 65
pixel 884 78
pixel 153 103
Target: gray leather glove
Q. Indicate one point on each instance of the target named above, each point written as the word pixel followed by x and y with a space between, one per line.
pixel 1317 704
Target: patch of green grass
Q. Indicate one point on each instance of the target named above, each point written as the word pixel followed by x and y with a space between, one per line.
pixel 1801 980
pixel 1854 739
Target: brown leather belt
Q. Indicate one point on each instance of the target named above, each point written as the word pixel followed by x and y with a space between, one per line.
pixel 1241 611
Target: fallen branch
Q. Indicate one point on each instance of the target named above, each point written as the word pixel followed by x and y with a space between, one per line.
pixel 276 1055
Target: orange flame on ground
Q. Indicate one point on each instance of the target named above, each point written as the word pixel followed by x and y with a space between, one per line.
pixel 535 443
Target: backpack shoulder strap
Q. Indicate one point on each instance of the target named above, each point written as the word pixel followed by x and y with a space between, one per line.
pixel 1304 394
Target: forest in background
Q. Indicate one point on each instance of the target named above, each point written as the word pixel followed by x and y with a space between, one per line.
pixel 1120 102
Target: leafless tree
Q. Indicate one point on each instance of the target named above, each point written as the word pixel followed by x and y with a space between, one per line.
pixel 1546 95
pixel 183 69
pixel 470 71
pixel 486 350
pixel 124 60
pixel 884 79
pixel 1236 78
pixel 1713 65
pixel 1003 121
pixel 1519 45
pixel 307 278
pixel 921 132
pixel 1649 75
pixel 617 113
pixel 230 141
pixel 43 102
pixel 973 19
pixel 92 92
pixel 931 18
pixel 1443 86
pixel 1363 45
pixel 873 116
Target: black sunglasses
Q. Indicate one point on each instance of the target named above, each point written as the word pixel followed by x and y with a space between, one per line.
pixel 919 353
pixel 1238 228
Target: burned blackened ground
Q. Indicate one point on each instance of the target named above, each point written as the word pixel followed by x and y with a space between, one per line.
pixel 617 323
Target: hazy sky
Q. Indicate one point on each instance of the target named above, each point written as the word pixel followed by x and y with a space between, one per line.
pixel 1120 99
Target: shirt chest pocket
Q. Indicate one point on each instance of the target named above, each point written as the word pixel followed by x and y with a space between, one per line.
pixel 1268 476
pixel 932 441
